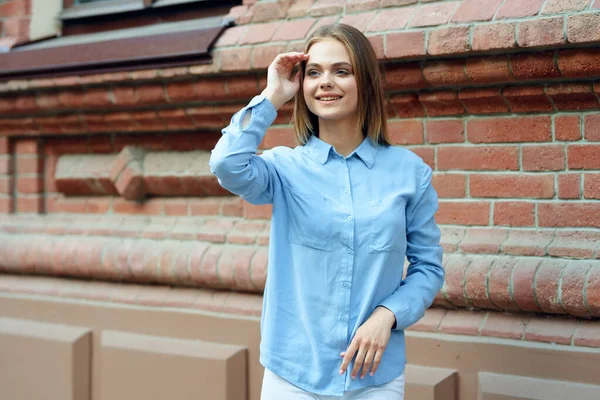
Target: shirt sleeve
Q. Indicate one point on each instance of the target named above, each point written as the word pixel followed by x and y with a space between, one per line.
pixel 425 275
pixel 234 160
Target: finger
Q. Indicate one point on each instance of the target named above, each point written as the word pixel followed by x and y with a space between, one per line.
pixel 367 363
pixel 348 357
pixel 376 361
pixel 358 362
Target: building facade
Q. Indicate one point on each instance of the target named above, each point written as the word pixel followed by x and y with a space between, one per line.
pixel 127 272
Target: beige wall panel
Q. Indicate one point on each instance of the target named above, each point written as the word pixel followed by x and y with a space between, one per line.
pixel 44 361
pixel 510 387
pixel 429 383
pixel 148 367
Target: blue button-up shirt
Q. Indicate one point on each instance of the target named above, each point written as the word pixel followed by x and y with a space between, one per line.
pixel 341 229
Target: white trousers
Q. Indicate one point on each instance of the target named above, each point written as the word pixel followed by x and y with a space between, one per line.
pixel 277 388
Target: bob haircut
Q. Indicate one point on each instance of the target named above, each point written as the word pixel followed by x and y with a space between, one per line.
pixel 371 110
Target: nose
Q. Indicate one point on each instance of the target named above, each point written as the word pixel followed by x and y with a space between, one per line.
pixel 326 81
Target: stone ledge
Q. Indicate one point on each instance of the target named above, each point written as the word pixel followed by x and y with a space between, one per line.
pixel 521 327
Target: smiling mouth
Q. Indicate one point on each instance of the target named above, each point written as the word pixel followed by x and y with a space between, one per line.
pixel 329 99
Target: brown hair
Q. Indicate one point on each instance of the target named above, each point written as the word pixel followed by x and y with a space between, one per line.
pixel 371 110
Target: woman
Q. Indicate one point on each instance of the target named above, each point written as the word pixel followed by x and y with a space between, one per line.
pixel 347 209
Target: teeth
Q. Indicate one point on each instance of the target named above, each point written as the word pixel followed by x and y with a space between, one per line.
pixel 329 98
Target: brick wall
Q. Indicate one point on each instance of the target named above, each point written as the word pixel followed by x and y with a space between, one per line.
pixel 499 98
pixel 15 17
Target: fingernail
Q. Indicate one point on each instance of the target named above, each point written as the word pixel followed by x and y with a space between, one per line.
pixel 371 373
pixel 362 377
pixel 353 377
pixel 341 372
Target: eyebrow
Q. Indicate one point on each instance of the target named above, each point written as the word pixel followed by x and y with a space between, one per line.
pixel 337 64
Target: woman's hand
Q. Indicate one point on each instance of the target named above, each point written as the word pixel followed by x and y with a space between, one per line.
pixel 370 341
pixel 281 86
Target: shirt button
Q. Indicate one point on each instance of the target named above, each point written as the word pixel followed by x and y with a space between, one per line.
pixel 346 284
pixel 344 319
pixel 343 160
pixel 346 190
pixel 349 217
pixel 348 251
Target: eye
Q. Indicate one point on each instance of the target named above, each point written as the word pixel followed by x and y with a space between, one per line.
pixel 312 72
pixel 342 72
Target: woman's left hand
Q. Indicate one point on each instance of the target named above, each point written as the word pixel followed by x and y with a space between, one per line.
pixel 369 343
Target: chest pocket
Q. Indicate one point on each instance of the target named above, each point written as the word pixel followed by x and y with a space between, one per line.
pixel 310 220
pixel 388 225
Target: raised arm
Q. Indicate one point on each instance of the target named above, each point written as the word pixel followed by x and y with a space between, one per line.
pixel 234 160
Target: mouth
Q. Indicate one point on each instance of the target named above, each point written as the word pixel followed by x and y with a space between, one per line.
pixel 329 99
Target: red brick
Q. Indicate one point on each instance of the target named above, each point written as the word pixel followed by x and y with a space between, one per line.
pixel 404 76
pixel 293 30
pixel 263 56
pixel 262 12
pixel 122 206
pixel 527 99
pixel 569 186
pixel 499 280
pixel 236 59
pixel 406 106
pixel 4 145
pixel 427 153
pixel 6 204
pixel 483 101
pixel 514 213
pixel 527 242
pixel 447 72
pixel 124 95
pixel 378 46
pixel 569 214
pixel 430 321
pixel 445 131
pixel 71 98
pixel 513 129
pixel 405 44
pixel 361 5
pixel 476 10
pixel 450 185
pixel 6 185
pixel 100 205
pixel 588 334
pixel 551 330
pixel 519 8
pixel 326 7
pixel 572 96
pixel 579 62
pixel 504 326
pixel 181 91
pixel 299 8
pixel 476 282
pixel 478 158
pixel 406 131
pixel 27 146
pixel 5 165
pixel 151 94
pixel 561 6
pixel 29 185
pixel 488 69
pixel 30 204
pixel 454 40
pixel 546 285
pixel 260 33
pixel 522 284
pixel 541 32
pixel 279 137
pixel 434 14
pixel 574 244
pixel 359 21
pixel 462 322
pixel 592 127
pixel 512 186
pixel 231 36
pixel 463 213
pixel 572 286
pixel 455 266
pixel 176 207
pixel 212 89
pixel 543 158
pixel 585 156
pixel 14 8
pixel 483 240
pixel 591 186
pixel 498 36
pixel 592 293
pixel 583 28
pixel 567 127
pixel 96 98
pixel 392 19
pixel 441 103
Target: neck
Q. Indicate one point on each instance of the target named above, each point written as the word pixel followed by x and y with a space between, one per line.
pixel 345 136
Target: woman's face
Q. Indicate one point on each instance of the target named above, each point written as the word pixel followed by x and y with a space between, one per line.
pixel 329 85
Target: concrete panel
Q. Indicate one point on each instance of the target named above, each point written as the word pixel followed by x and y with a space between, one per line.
pixel 430 383
pixel 136 366
pixel 510 387
pixel 44 361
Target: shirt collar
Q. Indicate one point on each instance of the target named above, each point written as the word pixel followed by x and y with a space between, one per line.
pixel 366 151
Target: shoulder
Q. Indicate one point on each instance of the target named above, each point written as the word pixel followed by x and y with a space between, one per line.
pixel 283 153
